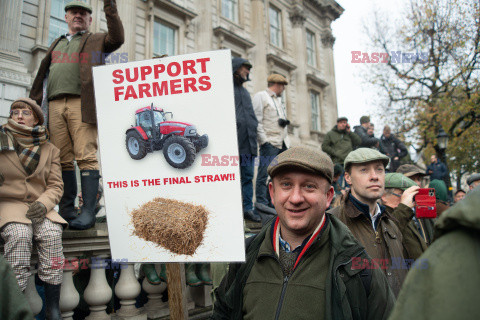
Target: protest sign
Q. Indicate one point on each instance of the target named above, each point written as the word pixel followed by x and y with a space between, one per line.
pixel 169 159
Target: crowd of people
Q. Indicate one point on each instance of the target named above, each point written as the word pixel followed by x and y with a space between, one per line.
pixel 343 240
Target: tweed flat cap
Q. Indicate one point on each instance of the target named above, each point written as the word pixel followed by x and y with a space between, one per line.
pixel 30 102
pixel 363 155
pixel 342 119
pixel 409 170
pixel 78 4
pixel 303 158
pixel 474 177
pixel 364 119
pixel 398 181
pixel 277 78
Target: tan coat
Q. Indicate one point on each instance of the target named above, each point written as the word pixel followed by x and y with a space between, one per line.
pixel 384 244
pixel 90 44
pixel 19 189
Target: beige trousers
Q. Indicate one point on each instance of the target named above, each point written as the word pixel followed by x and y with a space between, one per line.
pixel 76 140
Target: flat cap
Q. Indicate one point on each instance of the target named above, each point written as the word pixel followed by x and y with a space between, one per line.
pixel 277 78
pixel 364 119
pixel 342 119
pixel 398 181
pixel 363 155
pixel 409 170
pixel 305 159
pixel 474 177
pixel 78 4
pixel 20 102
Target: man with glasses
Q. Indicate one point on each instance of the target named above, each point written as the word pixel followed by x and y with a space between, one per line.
pixel 399 200
pixel 30 187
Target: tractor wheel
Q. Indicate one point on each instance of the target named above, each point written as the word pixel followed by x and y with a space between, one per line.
pixel 135 145
pixel 179 152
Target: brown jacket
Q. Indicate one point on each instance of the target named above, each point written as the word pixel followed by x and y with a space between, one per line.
pixel 414 244
pixel 90 44
pixel 19 189
pixel 384 244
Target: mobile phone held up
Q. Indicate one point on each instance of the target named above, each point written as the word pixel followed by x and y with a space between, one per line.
pixel 425 203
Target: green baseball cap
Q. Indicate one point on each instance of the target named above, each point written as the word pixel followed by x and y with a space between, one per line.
pixel 78 4
pixel 398 181
pixel 363 155
pixel 305 159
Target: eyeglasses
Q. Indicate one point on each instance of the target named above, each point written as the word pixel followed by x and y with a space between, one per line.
pixel 395 194
pixel 25 113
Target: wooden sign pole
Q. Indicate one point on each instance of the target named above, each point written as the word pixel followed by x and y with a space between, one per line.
pixel 177 291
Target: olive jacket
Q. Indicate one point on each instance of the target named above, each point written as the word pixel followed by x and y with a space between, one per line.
pixel 350 292
pixel 94 45
pixel 447 287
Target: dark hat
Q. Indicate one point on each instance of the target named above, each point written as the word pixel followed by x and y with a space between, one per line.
pixel 398 181
pixel 410 170
pixel 303 158
pixel 32 104
pixel 247 64
pixel 363 155
pixel 474 177
pixel 459 190
pixel 78 4
pixel 342 119
pixel 277 78
pixel 364 119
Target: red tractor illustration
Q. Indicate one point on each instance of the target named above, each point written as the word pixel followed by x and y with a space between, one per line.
pixel 179 140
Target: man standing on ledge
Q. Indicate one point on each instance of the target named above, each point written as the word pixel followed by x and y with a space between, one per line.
pixel 272 133
pixel 300 265
pixel 246 134
pixel 66 74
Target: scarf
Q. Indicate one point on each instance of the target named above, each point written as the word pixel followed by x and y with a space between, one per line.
pixel 26 141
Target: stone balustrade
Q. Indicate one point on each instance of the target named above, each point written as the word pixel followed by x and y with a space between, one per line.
pixel 94 244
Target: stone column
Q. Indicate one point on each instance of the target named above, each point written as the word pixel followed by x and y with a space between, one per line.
pixel 127 9
pixel 98 293
pixel 330 110
pixel 203 25
pixel 155 307
pixel 14 78
pixel 260 38
pixel 301 114
pixel 10 19
pixel 31 294
pixel 127 289
pixel 69 297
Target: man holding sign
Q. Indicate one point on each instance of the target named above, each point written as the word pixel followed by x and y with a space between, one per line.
pixel 300 266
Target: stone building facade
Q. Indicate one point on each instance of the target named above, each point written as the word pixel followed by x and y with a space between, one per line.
pixel 290 37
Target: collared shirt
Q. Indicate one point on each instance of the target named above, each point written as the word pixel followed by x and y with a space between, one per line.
pixel 365 209
pixel 286 246
pixel 70 36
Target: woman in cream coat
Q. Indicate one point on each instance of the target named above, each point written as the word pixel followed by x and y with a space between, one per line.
pixel 30 187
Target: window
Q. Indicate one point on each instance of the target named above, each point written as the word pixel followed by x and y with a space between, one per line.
pixel 315 110
pixel 230 9
pixel 58 26
pixel 311 52
pixel 164 39
pixel 275 27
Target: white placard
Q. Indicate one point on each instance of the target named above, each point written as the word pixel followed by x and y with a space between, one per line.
pixel 193 92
